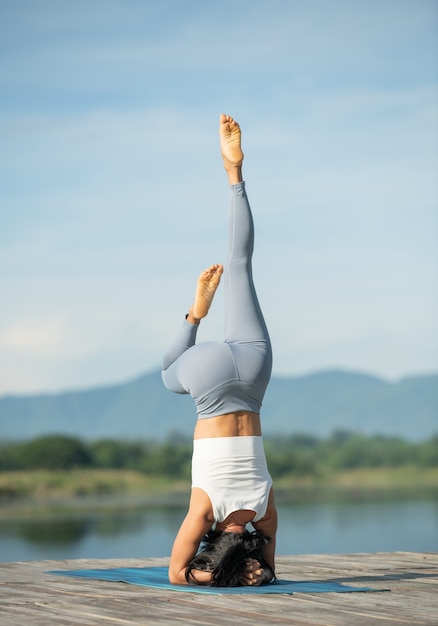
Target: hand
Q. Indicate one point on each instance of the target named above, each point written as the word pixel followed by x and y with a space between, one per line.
pixel 254 574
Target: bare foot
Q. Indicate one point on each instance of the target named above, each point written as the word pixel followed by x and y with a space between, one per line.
pixel 230 142
pixel 206 287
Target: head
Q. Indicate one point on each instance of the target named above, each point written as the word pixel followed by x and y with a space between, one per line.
pixel 225 555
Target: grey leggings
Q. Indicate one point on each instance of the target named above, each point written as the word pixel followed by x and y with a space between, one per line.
pixel 231 375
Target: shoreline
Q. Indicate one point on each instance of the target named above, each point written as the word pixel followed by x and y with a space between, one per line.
pixel 93 490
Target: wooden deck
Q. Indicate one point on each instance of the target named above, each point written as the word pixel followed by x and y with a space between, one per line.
pixel 30 596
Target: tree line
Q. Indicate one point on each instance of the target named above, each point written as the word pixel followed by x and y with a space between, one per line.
pixel 298 454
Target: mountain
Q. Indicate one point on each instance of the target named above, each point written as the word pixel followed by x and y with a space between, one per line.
pixel 318 404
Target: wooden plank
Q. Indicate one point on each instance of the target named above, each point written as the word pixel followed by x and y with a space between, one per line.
pixel 29 596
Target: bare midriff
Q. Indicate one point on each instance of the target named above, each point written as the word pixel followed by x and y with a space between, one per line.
pixel 238 424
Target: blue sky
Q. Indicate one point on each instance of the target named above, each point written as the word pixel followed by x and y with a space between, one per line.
pixel 113 197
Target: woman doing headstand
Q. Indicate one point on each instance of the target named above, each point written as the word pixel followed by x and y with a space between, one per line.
pixel 231 485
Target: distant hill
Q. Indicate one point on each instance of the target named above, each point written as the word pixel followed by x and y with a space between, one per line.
pixel 317 403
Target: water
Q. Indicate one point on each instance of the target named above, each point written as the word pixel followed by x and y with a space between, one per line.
pixel 303 529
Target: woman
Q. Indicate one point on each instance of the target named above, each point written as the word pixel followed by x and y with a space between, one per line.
pixel 231 485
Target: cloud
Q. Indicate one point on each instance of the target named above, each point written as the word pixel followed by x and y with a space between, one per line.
pixel 43 338
pixel 115 198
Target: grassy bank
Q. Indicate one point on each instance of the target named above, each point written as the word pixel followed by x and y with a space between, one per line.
pixel 385 483
pixel 59 489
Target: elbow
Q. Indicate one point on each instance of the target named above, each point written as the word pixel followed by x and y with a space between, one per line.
pixel 173 578
pixel 177 578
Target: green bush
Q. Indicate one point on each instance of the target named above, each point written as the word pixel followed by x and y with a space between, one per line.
pixel 108 453
pixel 298 454
pixel 53 452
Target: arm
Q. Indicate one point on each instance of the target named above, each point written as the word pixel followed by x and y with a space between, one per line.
pixel 197 522
pixel 268 526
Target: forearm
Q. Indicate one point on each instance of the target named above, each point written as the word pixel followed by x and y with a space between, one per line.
pixel 268 527
pixel 268 553
pixel 196 523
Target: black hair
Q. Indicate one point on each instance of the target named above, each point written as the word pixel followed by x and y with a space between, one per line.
pixel 224 554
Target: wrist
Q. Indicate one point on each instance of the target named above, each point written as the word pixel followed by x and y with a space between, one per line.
pixel 268 575
pixel 200 577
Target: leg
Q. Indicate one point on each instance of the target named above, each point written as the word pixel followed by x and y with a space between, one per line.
pixel 206 287
pixel 243 317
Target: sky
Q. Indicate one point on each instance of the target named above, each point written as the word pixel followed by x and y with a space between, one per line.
pixel 113 196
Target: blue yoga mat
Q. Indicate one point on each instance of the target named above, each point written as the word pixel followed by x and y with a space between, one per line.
pixel 156 577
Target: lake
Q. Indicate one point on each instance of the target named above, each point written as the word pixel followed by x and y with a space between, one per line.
pixel 303 529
